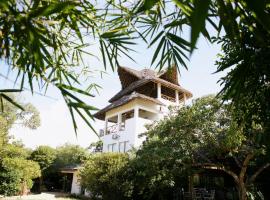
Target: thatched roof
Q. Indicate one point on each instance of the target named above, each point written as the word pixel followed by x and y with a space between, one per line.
pixel 125 99
pixel 128 76
pixel 132 79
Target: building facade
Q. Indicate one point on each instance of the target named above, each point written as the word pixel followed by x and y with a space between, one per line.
pixel 145 97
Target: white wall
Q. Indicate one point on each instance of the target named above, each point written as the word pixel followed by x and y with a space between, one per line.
pixel 128 134
pixel 134 126
pixel 75 187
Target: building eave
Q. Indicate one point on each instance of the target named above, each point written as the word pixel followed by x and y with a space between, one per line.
pixel 124 100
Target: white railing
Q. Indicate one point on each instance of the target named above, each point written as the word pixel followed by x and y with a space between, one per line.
pixel 112 129
pixel 172 99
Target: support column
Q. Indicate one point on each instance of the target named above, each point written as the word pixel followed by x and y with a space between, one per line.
pixel 136 113
pixel 105 126
pixel 176 97
pixel 136 128
pixel 119 121
pixel 159 91
pixel 185 98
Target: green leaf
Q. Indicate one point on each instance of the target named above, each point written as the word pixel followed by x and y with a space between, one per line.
pixel 161 43
pixel 147 5
pixel 176 23
pixel 52 8
pixel 179 41
pixel 85 120
pixel 73 118
pixel 184 7
pixel 10 90
pixel 10 100
pixel 74 89
pixel 260 10
pixel 102 46
pixel 82 105
pixel 156 38
pixel 198 17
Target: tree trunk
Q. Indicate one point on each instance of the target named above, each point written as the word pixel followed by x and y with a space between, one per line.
pixel 40 183
pixel 24 189
pixel 242 191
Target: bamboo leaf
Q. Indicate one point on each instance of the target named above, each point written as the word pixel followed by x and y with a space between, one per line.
pixel 161 43
pixel 147 5
pixel 74 89
pixel 260 8
pixel 198 17
pixel 10 100
pixel 82 105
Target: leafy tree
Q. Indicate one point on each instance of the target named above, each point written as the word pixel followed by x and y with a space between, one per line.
pixel 96 146
pixel 10 114
pixel 44 156
pixel 16 170
pixel 247 84
pixel 24 170
pixel 70 154
pixel 204 135
pixel 101 174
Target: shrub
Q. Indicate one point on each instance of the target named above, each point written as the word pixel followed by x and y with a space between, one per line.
pixel 102 176
pixel 17 174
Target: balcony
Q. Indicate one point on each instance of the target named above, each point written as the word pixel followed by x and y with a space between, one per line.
pixel 168 98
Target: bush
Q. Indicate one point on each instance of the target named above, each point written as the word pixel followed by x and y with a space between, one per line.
pixel 17 174
pixel 102 175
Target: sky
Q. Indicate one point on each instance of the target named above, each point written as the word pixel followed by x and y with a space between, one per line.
pixel 56 126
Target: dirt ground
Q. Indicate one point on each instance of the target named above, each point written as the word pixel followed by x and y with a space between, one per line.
pixel 42 196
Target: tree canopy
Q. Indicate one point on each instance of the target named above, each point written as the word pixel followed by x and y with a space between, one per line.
pixel 16 169
pixel 202 136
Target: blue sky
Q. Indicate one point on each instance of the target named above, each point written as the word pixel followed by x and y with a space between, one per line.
pixel 57 129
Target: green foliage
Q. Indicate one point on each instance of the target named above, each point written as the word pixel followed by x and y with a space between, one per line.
pixel 195 137
pixel 247 84
pixel 96 146
pixel 25 169
pixel 44 156
pixel 42 42
pixel 204 135
pixel 69 154
pixel 101 174
pixel 16 170
pixel 45 40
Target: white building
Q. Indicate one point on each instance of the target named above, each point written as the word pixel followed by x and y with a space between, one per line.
pixel 145 97
pixel 75 184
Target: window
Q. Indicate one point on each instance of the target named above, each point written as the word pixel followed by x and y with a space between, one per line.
pixel 111 125
pixel 123 146
pixel 112 147
pixel 147 115
pixel 168 94
pixel 125 116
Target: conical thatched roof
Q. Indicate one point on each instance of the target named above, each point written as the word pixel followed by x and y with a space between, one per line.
pixel 132 79
pixel 141 84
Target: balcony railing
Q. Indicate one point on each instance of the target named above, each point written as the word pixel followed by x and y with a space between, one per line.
pixel 112 129
pixel 172 99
